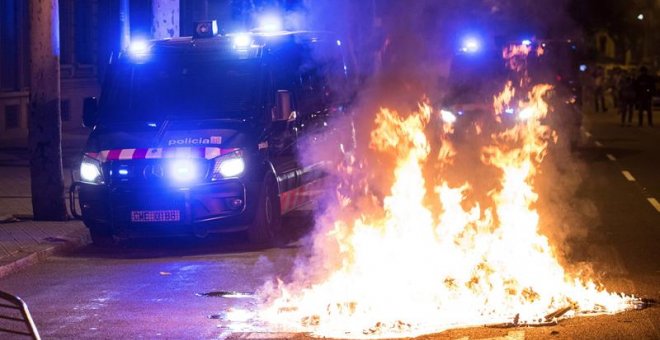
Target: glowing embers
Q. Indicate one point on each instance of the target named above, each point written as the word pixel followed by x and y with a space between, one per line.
pixel 406 266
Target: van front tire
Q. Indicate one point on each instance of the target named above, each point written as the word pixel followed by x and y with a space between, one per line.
pixel 267 224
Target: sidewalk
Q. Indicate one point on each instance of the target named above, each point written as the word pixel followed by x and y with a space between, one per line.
pixel 24 242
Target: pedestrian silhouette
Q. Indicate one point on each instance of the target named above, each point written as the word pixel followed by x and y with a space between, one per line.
pixel 627 96
pixel 644 92
pixel 599 90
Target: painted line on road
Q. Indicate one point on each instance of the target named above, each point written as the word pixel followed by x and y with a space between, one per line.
pixel 588 134
pixel 654 202
pixel 611 157
pixel 512 335
pixel 628 175
pixel 598 144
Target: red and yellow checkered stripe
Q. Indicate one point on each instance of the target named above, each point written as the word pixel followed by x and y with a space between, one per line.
pixel 158 153
pixel 301 195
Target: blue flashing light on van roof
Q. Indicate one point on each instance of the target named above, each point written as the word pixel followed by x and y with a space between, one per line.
pixel 138 48
pixel 269 23
pixel 526 42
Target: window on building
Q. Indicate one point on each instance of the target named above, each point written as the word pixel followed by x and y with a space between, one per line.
pixel 84 32
pixel 11 116
pixel 66 31
pixel 9 42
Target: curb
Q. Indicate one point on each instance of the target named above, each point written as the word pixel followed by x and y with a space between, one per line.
pixel 41 252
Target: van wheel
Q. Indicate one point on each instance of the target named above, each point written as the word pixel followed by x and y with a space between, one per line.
pixel 267 224
pixel 101 235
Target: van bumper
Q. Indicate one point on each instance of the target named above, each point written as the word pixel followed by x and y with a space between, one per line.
pixel 225 206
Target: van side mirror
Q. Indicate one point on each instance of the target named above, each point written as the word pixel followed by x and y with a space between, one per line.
pixel 283 107
pixel 90 112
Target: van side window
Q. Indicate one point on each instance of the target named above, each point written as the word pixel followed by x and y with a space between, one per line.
pixel 312 92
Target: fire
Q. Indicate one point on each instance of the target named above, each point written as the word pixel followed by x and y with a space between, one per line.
pixel 408 267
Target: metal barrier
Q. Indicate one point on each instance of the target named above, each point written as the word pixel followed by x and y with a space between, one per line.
pixel 15 317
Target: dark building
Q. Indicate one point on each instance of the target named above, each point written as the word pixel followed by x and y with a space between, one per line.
pixel 90 32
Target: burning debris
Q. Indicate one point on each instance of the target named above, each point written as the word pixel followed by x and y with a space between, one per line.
pixel 452 261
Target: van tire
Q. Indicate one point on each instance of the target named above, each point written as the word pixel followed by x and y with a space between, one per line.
pixel 267 224
pixel 101 235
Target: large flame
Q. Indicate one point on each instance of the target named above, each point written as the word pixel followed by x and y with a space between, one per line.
pixel 412 268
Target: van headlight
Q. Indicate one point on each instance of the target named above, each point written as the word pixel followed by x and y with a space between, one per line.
pixel 228 166
pixel 90 171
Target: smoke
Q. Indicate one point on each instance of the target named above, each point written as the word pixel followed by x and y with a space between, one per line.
pixel 399 53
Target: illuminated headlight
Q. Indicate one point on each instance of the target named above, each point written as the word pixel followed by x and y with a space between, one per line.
pixel 183 170
pixel 228 166
pixel 90 171
pixel 447 116
pixel 526 113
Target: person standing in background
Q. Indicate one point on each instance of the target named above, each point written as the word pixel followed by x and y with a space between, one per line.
pixel 599 90
pixel 626 95
pixel 644 92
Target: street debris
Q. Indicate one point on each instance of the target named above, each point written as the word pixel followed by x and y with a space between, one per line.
pixel 227 294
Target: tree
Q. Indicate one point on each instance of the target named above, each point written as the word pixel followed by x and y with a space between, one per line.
pixel 45 125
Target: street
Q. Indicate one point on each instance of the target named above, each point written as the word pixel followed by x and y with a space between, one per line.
pixel 155 288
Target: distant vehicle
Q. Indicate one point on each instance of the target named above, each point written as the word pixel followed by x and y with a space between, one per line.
pixel 476 75
pixel 199 135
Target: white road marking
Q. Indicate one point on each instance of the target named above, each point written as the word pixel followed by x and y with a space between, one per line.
pixel 611 157
pixel 598 144
pixel 588 134
pixel 628 175
pixel 654 203
pixel 512 335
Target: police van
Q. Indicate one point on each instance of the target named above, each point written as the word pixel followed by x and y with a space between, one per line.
pixel 202 134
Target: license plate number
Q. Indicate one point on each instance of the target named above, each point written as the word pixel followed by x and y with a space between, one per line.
pixel 156 216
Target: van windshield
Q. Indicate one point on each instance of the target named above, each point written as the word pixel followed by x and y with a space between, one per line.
pixel 181 90
pixel 474 79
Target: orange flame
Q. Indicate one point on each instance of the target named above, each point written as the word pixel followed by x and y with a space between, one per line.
pixel 410 269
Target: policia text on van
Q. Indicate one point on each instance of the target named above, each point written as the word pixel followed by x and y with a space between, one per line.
pixel 198 135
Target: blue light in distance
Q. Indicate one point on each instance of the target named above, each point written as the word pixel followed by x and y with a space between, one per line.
pixel 338 42
pixel 123 172
pixel 526 42
pixel 583 67
pixel 471 45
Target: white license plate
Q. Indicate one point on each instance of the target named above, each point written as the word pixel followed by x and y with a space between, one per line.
pixel 156 216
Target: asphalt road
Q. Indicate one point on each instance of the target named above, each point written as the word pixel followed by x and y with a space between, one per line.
pixel 149 289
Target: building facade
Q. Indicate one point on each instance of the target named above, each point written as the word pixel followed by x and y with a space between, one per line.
pixel 90 32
